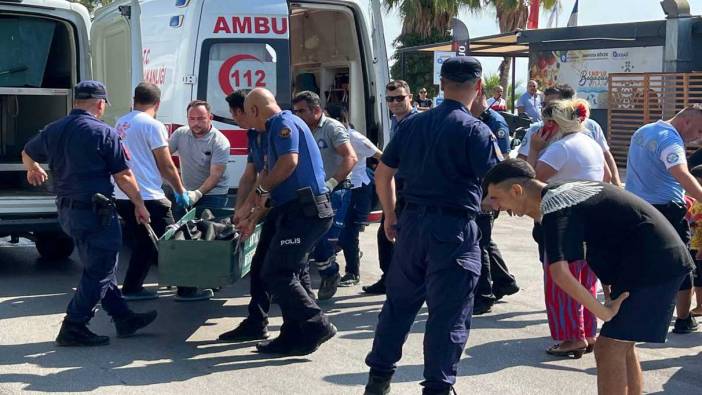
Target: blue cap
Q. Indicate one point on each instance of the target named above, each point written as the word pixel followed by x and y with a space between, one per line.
pixel 461 69
pixel 90 90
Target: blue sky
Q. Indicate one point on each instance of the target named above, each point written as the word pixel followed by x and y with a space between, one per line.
pixel 591 12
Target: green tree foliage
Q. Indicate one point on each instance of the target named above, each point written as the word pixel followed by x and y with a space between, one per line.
pixel 429 21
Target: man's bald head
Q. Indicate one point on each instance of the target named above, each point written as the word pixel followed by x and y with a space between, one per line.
pixel 260 105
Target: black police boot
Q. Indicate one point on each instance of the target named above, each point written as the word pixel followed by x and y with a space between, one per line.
pixel 376 289
pixel 328 287
pixel 314 338
pixel 74 334
pixel 502 292
pixel 378 384
pixel 435 391
pixel 685 325
pixel 281 345
pixel 247 330
pixel 482 306
pixel 132 322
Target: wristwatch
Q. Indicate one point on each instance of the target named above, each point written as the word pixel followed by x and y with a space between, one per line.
pixel 262 192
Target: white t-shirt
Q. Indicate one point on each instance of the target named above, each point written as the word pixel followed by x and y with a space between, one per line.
pixel 501 104
pixel 574 157
pixel 364 149
pixel 141 134
pixel 592 130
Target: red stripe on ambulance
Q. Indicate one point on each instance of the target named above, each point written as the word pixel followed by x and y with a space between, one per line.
pixel 238 141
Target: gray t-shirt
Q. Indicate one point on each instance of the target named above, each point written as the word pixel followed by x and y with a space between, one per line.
pixel 330 134
pixel 198 154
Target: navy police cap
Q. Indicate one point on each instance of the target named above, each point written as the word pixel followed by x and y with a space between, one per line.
pixel 90 90
pixel 461 69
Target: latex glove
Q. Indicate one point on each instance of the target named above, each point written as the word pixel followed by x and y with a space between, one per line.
pixel 194 196
pixel 183 199
pixel 331 184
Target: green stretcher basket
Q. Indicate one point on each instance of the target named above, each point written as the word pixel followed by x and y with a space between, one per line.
pixel 204 264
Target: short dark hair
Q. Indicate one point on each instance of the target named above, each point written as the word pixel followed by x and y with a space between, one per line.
pixel 236 99
pixel 564 91
pixel 397 84
pixel 338 112
pixel 147 93
pixel 309 97
pixel 508 169
pixel 196 103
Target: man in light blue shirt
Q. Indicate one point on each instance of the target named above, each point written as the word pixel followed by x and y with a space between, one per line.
pixel 657 172
pixel 531 102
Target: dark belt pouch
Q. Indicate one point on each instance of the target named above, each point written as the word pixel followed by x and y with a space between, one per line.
pixel 314 206
pixel 103 207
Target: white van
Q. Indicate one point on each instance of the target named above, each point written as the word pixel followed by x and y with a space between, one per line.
pixel 44 47
pixel 205 49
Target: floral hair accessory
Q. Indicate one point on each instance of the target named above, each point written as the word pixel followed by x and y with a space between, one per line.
pixel 581 111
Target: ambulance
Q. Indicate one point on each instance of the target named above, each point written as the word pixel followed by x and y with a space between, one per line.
pixel 45 52
pixel 206 49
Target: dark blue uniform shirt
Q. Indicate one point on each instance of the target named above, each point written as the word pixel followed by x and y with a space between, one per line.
pixel 497 123
pixel 82 152
pixel 288 133
pixel 258 149
pixel 442 154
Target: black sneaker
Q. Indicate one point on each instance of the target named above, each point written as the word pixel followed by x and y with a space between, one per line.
pixel 376 289
pixel 686 325
pixel 377 385
pixel 482 308
pixel 326 332
pixel 74 335
pixel 128 325
pixel 244 332
pixel 435 391
pixel 281 345
pixel 349 280
pixel 502 292
pixel 328 287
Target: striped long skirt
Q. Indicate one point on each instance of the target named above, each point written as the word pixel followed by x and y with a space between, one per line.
pixel 567 318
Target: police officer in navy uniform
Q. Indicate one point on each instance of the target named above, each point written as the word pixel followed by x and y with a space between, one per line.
pixel 294 185
pixel 255 325
pixel 83 153
pixel 441 155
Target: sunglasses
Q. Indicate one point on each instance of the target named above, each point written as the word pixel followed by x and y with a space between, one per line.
pixel 298 111
pixel 397 99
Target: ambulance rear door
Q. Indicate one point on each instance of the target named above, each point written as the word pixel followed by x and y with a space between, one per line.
pixel 115 39
pixel 242 45
pixel 382 72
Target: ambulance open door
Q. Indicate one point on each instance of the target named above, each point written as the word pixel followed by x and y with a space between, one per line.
pixel 115 38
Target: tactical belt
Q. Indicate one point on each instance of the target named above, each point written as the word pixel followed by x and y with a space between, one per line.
pixel 448 211
pixel 75 204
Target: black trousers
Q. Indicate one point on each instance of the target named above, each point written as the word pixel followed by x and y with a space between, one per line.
pixel 285 270
pixel 144 253
pixel 494 274
pixel 386 248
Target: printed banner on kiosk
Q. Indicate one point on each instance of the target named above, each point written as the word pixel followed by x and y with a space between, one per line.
pixel 588 70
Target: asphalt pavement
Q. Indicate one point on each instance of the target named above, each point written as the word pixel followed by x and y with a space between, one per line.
pixel 179 353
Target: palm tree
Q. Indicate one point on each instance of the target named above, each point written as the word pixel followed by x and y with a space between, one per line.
pixel 426 18
pixel 511 15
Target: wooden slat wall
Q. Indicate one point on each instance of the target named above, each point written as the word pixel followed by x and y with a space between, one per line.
pixel 636 99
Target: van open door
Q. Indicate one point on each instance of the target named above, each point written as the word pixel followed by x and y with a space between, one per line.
pixel 115 38
pixel 382 72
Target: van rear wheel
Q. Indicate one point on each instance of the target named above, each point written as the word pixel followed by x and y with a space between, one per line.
pixel 54 245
